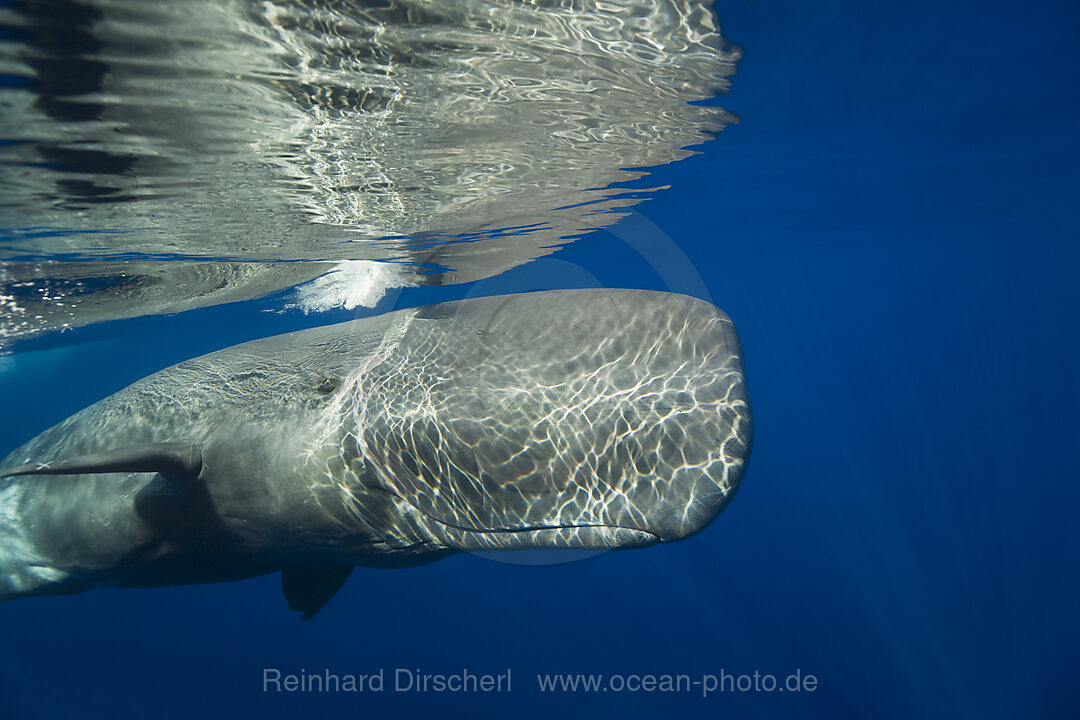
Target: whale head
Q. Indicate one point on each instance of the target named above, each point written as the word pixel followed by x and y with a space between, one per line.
pixel 591 419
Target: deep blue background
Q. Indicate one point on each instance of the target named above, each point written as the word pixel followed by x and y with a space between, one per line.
pixel 893 227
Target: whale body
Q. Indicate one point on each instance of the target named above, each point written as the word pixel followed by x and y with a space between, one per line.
pixel 589 419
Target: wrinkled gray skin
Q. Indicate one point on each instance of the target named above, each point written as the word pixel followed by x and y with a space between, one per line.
pixel 562 419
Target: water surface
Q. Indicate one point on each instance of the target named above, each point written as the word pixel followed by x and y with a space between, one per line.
pixel 157 157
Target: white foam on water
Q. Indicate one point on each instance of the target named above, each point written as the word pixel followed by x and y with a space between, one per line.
pixel 352 283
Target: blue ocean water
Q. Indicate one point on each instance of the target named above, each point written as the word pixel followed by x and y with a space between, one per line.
pixel 892 226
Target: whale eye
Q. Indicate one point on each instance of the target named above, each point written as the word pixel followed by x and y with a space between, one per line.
pixel 327 385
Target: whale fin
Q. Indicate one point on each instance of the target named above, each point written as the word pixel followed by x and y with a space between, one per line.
pixel 172 460
pixel 309 587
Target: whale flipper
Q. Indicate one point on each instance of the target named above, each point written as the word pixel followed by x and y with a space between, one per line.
pixel 309 587
pixel 172 460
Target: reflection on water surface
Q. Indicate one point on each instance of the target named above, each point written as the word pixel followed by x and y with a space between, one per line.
pixel 207 151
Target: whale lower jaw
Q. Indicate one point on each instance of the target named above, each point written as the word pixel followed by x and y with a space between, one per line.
pixel 577 537
pixel 464 538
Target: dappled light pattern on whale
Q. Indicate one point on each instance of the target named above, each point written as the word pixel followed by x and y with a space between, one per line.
pixel 632 437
